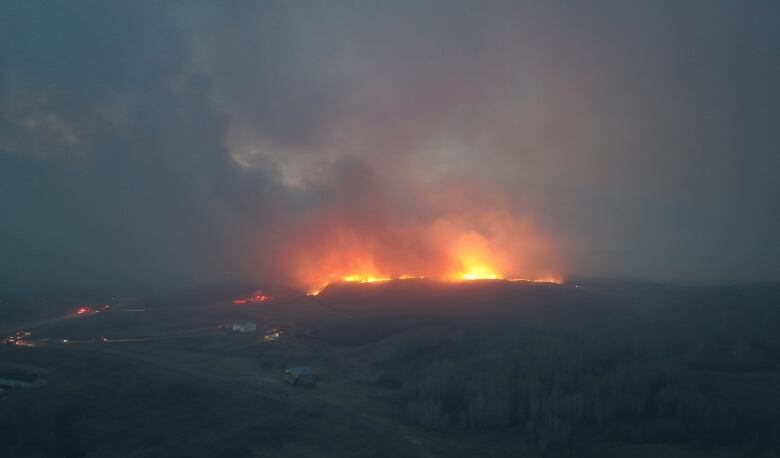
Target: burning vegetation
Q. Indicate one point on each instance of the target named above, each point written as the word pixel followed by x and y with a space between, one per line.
pixel 255 297
pixel 495 246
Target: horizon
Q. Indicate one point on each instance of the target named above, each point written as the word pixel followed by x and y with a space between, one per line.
pixel 177 145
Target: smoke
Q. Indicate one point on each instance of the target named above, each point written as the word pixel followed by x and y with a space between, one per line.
pixel 447 231
pixel 195 143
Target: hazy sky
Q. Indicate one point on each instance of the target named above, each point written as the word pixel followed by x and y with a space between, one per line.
pixel 182 143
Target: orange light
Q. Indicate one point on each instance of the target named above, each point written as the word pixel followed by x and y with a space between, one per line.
pixel 555 280
pixel 467 244
pixel 477 273
pixel 82 310
pixel 364 278
pixel 257 296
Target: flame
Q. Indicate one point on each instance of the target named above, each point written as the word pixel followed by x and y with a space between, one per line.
pixel 473 261
pixel 255 297
pixel 477 273
pixel 460 241
pixel 361 278
pixel 554 280
pixel 364 278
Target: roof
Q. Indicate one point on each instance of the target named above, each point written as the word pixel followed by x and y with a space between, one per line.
pixel 300 371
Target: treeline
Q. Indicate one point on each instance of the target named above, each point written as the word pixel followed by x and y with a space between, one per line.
pixel 553 392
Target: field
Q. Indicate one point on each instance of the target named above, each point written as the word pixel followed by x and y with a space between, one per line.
pixel 410 368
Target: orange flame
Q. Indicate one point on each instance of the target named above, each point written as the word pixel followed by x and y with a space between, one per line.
pixel 359 278
pixel 470 256
pixel 255 297
pixel 475 258
pixel 464 241
pixel 554 280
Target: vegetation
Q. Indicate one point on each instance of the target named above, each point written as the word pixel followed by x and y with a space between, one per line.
pixel 694 372
pixel 705 381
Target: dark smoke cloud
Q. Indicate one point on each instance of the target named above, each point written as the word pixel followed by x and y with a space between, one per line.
pixel 182 143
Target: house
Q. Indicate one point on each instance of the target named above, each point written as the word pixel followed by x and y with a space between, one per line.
pixel 273 334
pixel 244 326
pixel 21 380
pixel 300 375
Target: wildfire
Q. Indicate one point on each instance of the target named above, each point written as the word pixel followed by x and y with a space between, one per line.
pixel 554 280
pixel 255 297
pixel 412 277
pixel 471 257
pixel 477 274
pixel 462 242
pixel 468 273
pixel 364 278
pixel 361 278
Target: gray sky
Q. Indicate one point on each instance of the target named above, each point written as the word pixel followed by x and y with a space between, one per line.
pixel 183 143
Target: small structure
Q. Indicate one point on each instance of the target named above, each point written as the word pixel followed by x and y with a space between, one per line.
pixel 273 334
pixel 244 326
pixel 300 375
pixel 28 380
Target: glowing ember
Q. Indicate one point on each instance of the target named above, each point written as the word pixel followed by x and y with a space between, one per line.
pixel 256 297
pixel 555 280
pixel 315 292
pixel 477 273
pixel 359 278
pixel 479 276
pixel 364 278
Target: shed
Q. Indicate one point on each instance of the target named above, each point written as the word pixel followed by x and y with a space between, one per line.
pixel 300 375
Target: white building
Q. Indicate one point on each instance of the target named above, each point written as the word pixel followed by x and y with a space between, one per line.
pixel 244 326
